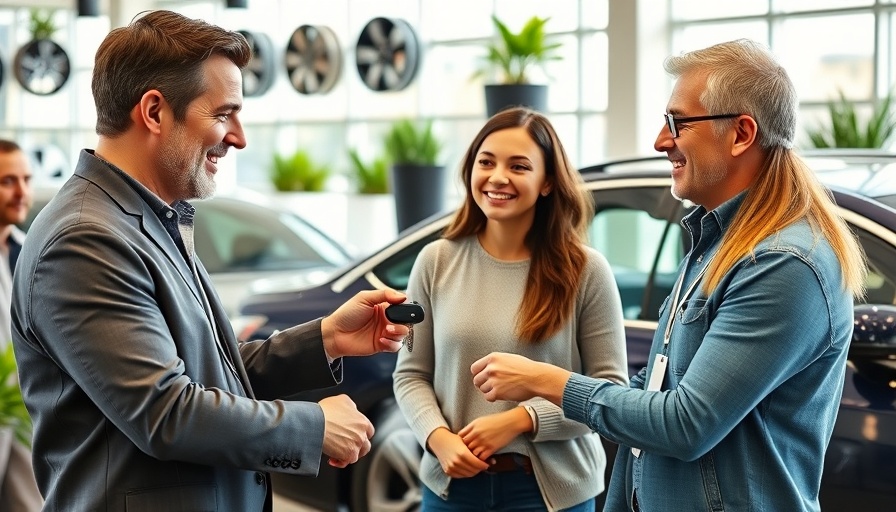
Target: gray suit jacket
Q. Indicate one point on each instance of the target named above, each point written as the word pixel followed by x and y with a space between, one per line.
pixel 134 408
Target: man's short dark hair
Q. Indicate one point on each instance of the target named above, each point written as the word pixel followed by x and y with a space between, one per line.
pixel 8 146
pixel 162 50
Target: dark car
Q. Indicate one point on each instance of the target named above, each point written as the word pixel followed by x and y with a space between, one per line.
pixel 631 197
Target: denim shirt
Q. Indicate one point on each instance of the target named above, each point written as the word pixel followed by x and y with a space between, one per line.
pixel 753 383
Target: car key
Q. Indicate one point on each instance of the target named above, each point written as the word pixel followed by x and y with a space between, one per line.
pixel 405 313
pixel 408 313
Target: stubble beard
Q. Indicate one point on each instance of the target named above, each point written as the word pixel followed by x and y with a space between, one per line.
pixel 186 170
pixel 700 178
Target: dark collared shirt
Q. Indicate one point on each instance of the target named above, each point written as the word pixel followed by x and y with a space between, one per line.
pixel 173 217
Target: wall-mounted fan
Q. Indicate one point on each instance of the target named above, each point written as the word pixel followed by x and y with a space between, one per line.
pixel 387 54
pixel 258 75
pixel 313 59
pixel 42 66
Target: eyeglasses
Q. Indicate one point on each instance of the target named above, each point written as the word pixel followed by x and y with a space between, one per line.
pixel 672 122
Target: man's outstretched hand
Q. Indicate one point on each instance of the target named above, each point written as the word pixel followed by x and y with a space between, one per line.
pixel 360 327
pixel 502 376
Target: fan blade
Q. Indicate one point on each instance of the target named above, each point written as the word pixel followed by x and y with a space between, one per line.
pixel 367 55
pixel 377 34
pixel 373 76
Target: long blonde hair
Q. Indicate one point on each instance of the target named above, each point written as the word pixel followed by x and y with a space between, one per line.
pixel 785 191
pixel 557 237
pixel 742 76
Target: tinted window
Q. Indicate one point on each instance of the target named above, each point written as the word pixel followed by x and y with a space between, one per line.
pixel 395 271
pixel 637 230
pixel 234 236
pixel 880 286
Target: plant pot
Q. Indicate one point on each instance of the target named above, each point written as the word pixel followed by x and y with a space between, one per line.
pixel 419 192
pixel 324 210
pixel 501 96
pixel 370 222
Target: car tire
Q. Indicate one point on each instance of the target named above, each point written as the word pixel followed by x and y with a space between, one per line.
pixel 386 479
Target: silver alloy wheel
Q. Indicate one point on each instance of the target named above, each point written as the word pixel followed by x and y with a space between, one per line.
pixel 313 59
pixel 258 74
pixel 387 54
pixel 392 482
pixel 42 67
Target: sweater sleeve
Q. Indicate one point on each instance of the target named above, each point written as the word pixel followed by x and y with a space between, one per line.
pixel 413 375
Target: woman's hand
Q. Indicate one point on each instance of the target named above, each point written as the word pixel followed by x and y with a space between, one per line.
pixel 486 435
pixel 456 459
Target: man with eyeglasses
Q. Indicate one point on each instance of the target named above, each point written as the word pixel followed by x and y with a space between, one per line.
pixel 737 404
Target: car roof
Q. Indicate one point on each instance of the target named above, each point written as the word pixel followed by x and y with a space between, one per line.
pixel 867 172
pixel 858 172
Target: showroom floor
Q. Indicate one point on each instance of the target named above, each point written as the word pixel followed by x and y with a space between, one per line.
pixel 282 504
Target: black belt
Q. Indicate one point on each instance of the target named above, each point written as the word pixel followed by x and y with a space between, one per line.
pixel 509 462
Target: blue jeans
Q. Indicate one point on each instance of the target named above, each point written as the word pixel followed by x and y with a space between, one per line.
pixel 501 492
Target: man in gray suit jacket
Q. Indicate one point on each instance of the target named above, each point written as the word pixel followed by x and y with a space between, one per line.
pixel 141 397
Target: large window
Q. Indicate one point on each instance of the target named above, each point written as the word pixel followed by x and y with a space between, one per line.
pixel 827 46
pixel 452 37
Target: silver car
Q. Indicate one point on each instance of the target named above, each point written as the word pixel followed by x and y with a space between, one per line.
pixel 243 242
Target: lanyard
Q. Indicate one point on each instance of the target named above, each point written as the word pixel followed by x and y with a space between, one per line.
pixel 676 302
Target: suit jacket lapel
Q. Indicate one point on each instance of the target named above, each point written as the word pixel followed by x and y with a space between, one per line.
pixel 95 171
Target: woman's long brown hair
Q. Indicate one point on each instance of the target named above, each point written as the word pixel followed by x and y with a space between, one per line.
pixel 557 238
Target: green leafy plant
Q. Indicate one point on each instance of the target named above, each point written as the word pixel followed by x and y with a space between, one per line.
pixel 299 173
pixel 370 177
pixel 41 24
pixel 511 54
pixel 845 131
pixel 13 413
pixel 408 143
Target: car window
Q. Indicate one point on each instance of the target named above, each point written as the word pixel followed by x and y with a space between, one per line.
pixel 237 237
pixel 637 230
pixel 880 285
pixel 395 271
pixel 644 265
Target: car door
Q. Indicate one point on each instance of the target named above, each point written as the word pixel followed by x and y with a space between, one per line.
pixel 861 457
pixel 636 227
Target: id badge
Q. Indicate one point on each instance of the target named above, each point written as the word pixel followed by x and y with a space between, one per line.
pixel 655 382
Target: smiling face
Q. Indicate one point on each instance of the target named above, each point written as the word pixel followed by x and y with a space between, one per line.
pixel 192 147
pixel 15 187
pixel 700 158
pixel 508 176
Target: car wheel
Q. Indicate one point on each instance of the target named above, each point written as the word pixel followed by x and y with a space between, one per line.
pixel 386 480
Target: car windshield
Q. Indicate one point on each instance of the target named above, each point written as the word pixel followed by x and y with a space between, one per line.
pixel 236 236
pixel 866 172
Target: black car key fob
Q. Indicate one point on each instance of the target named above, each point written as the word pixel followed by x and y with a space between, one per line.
pixel 405 313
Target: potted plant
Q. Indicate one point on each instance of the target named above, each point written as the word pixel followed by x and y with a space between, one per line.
pixel 41 66
pixel 301 186
pixel 369 177
pixel 370 211
pixel 845 131
pixel 13 413
pixel 298 173
pixel 416 179
pixel 510 55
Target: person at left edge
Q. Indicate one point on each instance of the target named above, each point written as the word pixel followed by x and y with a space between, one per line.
pixel 141 397
pixel 18 490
